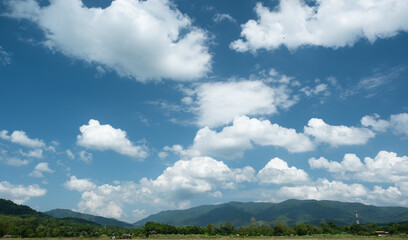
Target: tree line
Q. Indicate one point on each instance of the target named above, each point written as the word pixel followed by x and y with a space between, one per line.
pixel 31 226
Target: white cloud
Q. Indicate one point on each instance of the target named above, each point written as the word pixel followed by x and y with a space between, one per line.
pixel 321 88
pixel 385 167
pixel 375 123
pixel 36 153
pixel 324 189
pixel 277 171
pixel 39 169
pixel 14 161
pixel 220 102
pixel 79 185
pixel 20 137
pixel 145 40
pixel 399 123
pixel 105 137
pixel 189 178
pixel 328 23
pixel 337 135
pixel 70 154
pixel 5 58
pixel 20 193
pixel 219 17
pixel 85 156
pixel 233 140
pixel 175 187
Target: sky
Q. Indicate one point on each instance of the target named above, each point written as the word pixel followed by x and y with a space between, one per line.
pixel 126 108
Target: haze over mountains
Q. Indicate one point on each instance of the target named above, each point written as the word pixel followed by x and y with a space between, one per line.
pixel 289 212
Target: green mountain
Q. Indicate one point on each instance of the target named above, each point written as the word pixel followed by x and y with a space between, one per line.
pixel 65 213
pixel 289 212
pixel 9 208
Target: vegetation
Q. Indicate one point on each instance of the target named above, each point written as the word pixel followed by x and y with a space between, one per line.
pixel 65 213
pixel 22 221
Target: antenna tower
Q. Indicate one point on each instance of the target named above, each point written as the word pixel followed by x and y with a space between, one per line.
pixel 357 221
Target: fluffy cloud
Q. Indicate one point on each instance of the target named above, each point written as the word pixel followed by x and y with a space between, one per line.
pixel 140 39
pixel 80 185
pixel 39 169
pixel 233 140
pixel 337 135
pixel 385 167
pixel 324 23
pixel 105 137
pixel 398 123
pixel 277 171
pixel 220 102
pixel 20 137
pixel 350 163
pixel 188 178
pixel 175 187
pixel 20 193
pixel 375 123
pixel 323 189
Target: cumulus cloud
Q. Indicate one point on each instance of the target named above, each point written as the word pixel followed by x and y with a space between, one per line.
pixel 105 137
pixel 156 40
pixel 20 137
pixel 398 123
pixel 330 23
pixel 337 135
pixel 187 179
pixel 375 123
pixel 20 193
pixel 39 169
pixel 79 185
pixel 385 167
pixel 175 187
pixel 70 154
pixel 277 171
pixel 233 140
pixel 323 189
pixel 220 102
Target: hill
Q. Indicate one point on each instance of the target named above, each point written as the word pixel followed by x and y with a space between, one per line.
pixel 65 213
pixel 9 208
pixel 289 212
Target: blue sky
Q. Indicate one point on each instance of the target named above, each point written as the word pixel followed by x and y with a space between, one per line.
pixel 126 108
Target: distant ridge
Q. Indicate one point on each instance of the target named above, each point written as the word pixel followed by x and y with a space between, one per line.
pixel 289 212
pixel 65 213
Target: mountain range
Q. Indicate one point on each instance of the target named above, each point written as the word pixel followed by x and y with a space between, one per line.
pixel 238 213
pixel 289 212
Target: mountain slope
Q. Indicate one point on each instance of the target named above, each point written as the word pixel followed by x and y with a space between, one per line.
pixel 65 213
pixel 8 207
pixel 290 212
